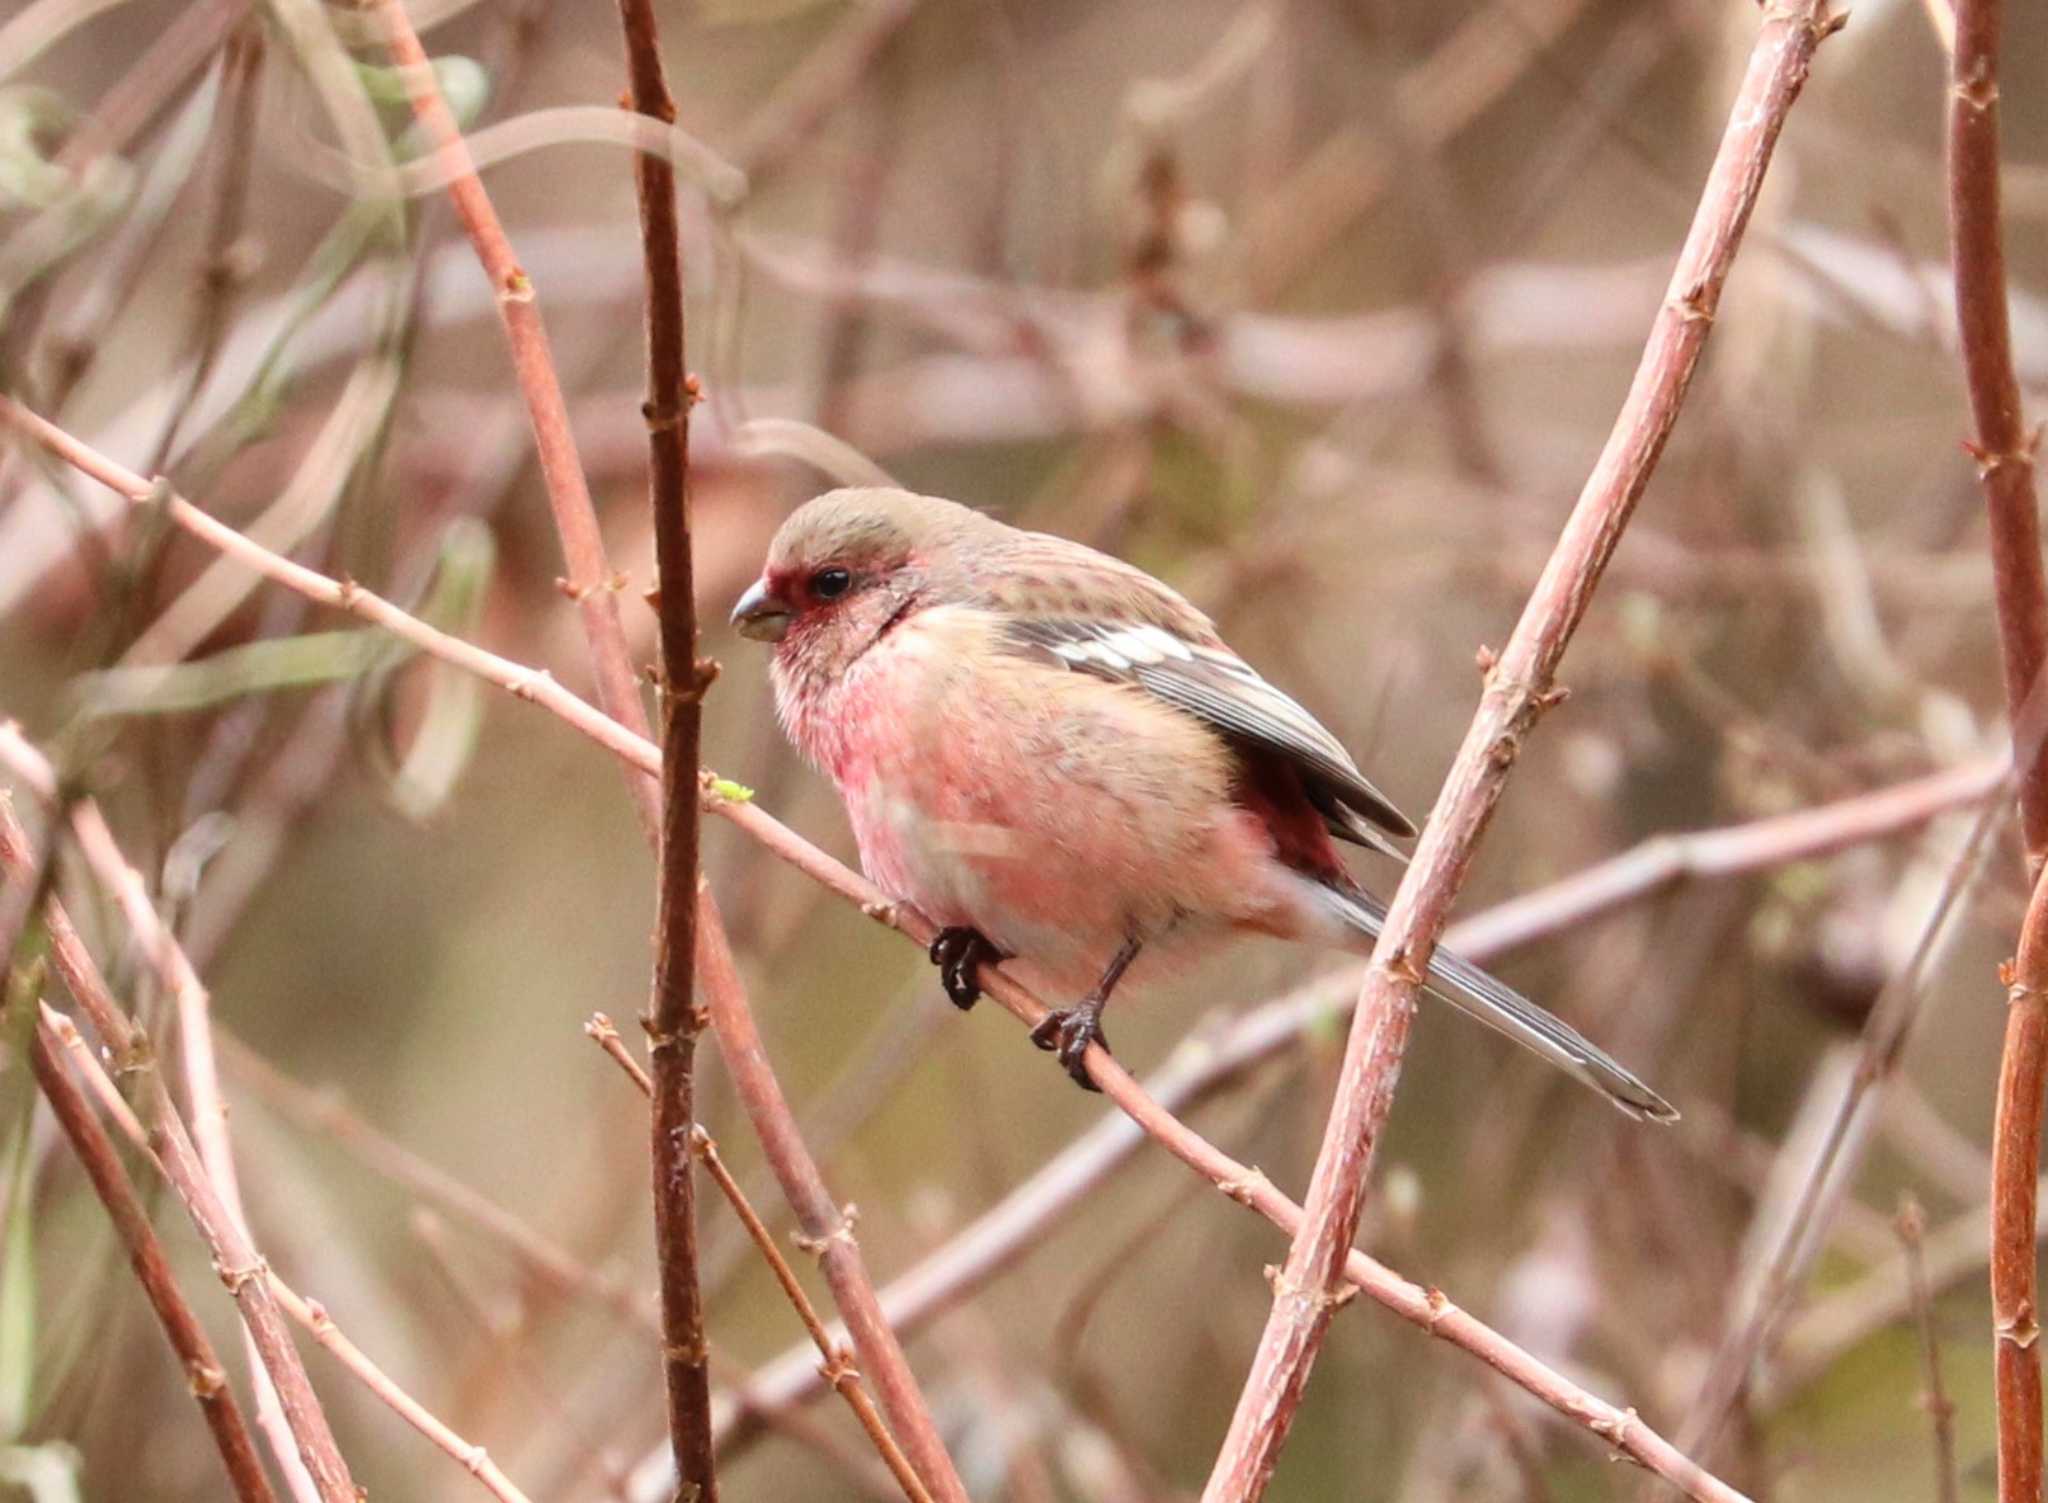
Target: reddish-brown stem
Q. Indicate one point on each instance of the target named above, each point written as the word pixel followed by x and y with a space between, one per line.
pixel 827 1227
pixel 672 1019
pixel 2004 451
pixel 591 582
pixel 1308 1287
pixel 2015 1163
pixel 2003 448
pixel 204 1376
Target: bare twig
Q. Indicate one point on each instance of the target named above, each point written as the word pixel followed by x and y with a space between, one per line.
pixel 1518 689
pixel 204 1375
pixel 673 1021
pixel 827 1227
pixel 605 1034
pixel 1941 1410
pixel 838 1369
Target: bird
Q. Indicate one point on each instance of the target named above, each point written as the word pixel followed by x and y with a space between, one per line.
pixel 1059 761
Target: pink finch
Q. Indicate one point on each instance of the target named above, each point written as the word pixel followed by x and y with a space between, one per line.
pixel 1055 757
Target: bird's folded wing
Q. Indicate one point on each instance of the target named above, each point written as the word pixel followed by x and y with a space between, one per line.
pixel 1212 683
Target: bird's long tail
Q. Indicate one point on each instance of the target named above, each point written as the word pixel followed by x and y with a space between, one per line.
pixel 1476 994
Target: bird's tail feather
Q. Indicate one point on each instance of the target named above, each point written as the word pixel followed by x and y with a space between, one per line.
pixel 1476 994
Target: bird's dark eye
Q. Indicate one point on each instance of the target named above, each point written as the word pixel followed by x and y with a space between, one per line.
pixel 830 584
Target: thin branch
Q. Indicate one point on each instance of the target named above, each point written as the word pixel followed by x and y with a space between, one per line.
pixel 827 1227
pixel 204 1375
pixel 673 1021
pixel 601 1031
pixel 838 1369
pixel 591 583
pixel 1941 1410
pixel 1518 689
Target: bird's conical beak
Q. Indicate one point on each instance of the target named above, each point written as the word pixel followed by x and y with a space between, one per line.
pixel 760 614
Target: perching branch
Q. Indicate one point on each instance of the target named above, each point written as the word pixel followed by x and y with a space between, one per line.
pixel 1006 1231
pixel 1518 689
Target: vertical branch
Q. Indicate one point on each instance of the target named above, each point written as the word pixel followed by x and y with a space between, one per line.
pixel 827 1228
pixel 673 1021
pixel 1308 1289
pixel 1941 1410
pixel 2004 451
pixel 2015 1161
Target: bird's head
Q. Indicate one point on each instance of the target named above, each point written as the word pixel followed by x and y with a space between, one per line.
pixel 846 567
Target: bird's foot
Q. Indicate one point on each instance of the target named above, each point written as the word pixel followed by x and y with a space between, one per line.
pixel 957 952
pixel 1067 1032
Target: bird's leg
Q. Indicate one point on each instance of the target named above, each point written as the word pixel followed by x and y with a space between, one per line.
pixel 957 952
pixel 1068 1031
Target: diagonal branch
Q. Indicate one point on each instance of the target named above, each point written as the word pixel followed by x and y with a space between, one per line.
pixel 1518 689
pixel 827 1227
pixel 204 1375
pixel 591 583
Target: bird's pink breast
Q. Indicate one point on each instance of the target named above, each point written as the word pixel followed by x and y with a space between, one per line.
pixel 1054 812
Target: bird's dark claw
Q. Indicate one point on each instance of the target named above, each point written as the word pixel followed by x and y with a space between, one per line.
pixel 1067 1032
pixel 957 952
